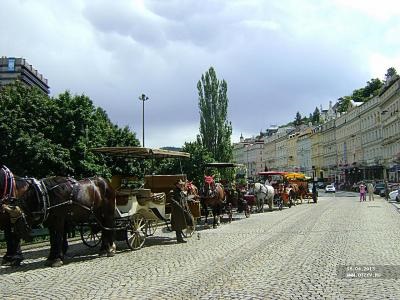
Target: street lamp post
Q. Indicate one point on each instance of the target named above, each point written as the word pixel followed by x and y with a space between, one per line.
pixel 143 98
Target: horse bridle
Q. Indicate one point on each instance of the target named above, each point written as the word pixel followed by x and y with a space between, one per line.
pixel 9 183
pixel 261 192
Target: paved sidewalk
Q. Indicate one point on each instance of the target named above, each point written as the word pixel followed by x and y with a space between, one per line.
pixel 289 254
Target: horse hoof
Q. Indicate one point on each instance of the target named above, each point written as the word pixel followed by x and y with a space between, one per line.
pixel 53 263
pixel 16 263
pixel 57 263
pixel 103 253
pixel 6 262
pixel 110 254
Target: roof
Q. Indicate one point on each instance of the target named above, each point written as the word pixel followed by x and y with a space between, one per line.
pixel 139 152
pixel 223 165
pixel 296 176
pixel 272 173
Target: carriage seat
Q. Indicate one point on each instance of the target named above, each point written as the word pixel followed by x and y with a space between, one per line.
pixel 125 201
pixel 147 195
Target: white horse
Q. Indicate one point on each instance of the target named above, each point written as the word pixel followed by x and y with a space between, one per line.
pixel 264 193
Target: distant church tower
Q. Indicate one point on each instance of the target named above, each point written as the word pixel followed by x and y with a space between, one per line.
pixel 241 138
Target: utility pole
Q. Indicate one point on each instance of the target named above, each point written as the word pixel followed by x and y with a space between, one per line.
pixel 143 98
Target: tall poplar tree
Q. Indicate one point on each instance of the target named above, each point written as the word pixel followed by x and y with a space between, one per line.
pixel 215 130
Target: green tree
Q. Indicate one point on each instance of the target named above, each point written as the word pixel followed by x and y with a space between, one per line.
pixel 42 136
pixel 344 104
pixel 28 119
pixel 298 119
pixel 316 116
pixel 371 89
pixel 215 130
pixel 193 167
pixel 390 73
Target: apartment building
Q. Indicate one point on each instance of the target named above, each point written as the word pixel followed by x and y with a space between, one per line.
pixel 328 140
pixel 270 152
pixel 304 151
pixel 12 69
pixel 316 152
pixel 390 119
pixel 363 143
pixel 371 139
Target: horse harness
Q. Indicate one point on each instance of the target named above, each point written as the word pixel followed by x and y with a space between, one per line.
pixel 7 200
pixel 9 184
pixel 261 192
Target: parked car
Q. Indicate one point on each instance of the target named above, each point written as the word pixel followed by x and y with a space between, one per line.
pixel 379 187
pixel 394 196
pixel 330 188
pixel 320 185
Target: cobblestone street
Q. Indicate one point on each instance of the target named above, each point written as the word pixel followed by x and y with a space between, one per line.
pixel 289 254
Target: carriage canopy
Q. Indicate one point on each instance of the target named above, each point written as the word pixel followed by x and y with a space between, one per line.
pixel 140 152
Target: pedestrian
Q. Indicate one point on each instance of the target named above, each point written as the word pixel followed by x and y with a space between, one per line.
pixel 314 192
pixel 362 192
pixel 180 217
pixel 370 189
pixel 386 190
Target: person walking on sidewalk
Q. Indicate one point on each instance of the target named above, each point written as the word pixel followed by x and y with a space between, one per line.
pixel 386 190
pixel 362 192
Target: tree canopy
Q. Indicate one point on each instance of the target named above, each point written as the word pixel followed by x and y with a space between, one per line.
pixel 215 130
pixel 42 136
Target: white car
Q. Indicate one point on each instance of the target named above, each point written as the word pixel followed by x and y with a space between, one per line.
pixel 393 195
pixel 330 189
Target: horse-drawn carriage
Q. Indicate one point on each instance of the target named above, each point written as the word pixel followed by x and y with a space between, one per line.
pixel 139 211
pixel 302 182
pixel 231 193
pixel 285 193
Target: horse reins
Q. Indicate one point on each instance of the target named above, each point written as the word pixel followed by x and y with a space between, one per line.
pixel 9 182
pixel 261 192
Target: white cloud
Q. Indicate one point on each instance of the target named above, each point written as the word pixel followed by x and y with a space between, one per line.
pixel 278 57
pixel 380 10
pixel 261 24
pixel 380 63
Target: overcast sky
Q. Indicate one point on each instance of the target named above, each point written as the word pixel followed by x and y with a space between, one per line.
pixel 278 57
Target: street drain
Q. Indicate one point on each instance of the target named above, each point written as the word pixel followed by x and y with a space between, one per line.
pixel 373 206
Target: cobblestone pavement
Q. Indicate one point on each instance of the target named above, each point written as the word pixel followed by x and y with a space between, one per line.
pixel 289 254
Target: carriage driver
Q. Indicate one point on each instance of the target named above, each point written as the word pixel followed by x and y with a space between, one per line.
pixel 180 218
pixel 268 181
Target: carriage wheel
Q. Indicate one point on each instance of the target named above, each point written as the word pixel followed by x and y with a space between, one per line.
pixel 189 231
pixel 90 236
pixel 151 227
pixel 135 232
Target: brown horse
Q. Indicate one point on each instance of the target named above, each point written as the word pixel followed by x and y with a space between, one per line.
pixel 191 190
pixel 294 193
pixel 55 201
pixel 212 195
